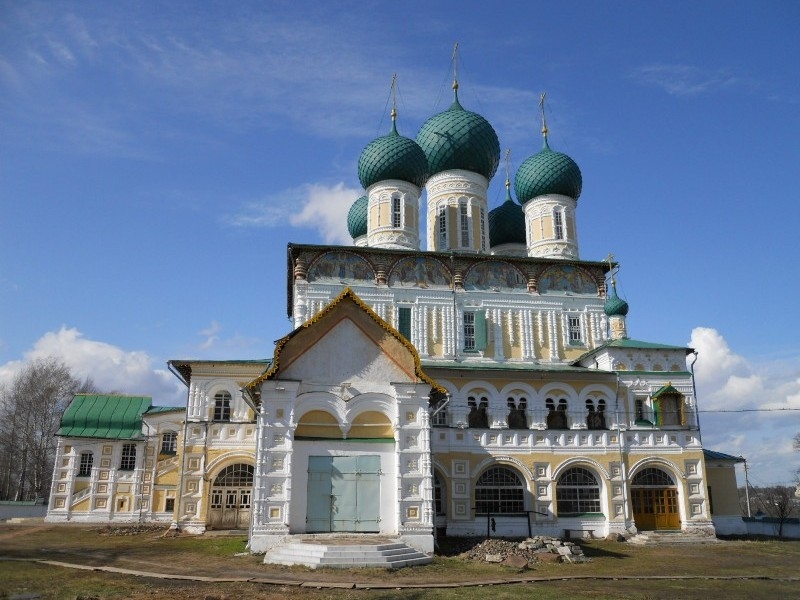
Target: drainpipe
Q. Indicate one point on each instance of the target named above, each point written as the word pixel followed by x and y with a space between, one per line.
pixel 623 466
pixel 696 405
pixel 176 520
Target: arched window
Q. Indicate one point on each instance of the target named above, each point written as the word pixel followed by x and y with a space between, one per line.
pixel 654 477
pixel 239 475
pixel 577 492
pixel 169 442
pixel 557 415
pixel 595 414
pixel 85 465
pixel 222 406
pixel 396 214
pixel 499 490
pixel 516 413
pixel 478 416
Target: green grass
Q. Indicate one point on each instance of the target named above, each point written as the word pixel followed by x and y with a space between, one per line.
pixel 771 565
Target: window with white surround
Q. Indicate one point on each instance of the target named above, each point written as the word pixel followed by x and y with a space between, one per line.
pixel 85 465
pixel 474 330
pixel 499 490
pixel 169 442
pixel 128 459
pixel 574 329
pixel 404 321
pixel 396 212
pixel 222 406
pixel 483 230
pixel 464 220
pixel 558 225
pixel 442 223
pixel 577 492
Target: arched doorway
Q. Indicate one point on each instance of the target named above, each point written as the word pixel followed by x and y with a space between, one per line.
pixel 231 494
pixel 654 496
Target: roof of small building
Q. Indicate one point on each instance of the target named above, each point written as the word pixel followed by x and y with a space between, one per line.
pixel 714 455
pixel 105 417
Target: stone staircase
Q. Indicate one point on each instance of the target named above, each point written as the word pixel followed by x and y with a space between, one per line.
pixel 345 552
pixel 669 538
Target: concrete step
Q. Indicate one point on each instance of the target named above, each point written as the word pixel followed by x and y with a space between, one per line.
pixel 391 555
pixel 669 538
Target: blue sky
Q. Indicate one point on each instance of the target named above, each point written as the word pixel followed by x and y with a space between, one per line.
pixel 156 158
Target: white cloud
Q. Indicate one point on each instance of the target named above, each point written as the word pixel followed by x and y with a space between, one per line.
pixel 111 368
pixel 686 80
pixel 325 210
pixel 210 333
pixel 322 208
pixel 748 409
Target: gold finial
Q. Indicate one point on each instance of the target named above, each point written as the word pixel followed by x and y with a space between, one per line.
pixel 394 97
pixel 544 120
pixel 508 169
pixel 455 66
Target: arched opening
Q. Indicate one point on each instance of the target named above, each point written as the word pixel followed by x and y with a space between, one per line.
pixel 318 424
pixel 578 493
pixel 231 494
pixel 499 490
pixel 654 497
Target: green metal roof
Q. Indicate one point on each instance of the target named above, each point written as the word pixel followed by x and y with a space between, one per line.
pixel 615 306
pixel 548 172
pixel 460 139
pixel 392 157
pixel 507 223
pixel 106 417
pixel 666 390
pixel 714 455
pixel 164 409
pixel 357 218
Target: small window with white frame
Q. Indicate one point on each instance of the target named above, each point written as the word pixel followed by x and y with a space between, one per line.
pixel 558 225
pixel 464 223
pixel 128 459
pixel 575 330
pixel 169 442
pixel 85 464
pixel 441 218
pixel 396 212
pixel 222 406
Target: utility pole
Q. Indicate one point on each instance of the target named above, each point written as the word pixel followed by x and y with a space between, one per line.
pixel 746 488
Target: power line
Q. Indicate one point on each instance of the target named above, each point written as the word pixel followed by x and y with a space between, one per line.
pixel 745 410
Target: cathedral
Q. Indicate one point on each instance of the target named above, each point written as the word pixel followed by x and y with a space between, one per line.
pixel 482 383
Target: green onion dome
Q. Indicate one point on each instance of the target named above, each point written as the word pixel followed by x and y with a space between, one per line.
pixel 507 223
pixel 547 172
pixel 460 139
pixel 392 157
pixel 357 218
pixel 615 306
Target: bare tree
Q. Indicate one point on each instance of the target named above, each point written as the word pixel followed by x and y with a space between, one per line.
pixel 779 502
pixel 31 407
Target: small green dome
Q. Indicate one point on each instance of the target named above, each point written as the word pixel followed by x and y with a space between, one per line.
pixel 615 306
pixel 392 157
pixel 507 223
pixel 357 218
pixel 548 172
pixel 460 139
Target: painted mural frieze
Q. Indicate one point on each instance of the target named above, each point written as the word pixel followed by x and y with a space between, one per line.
pixel 419 272
pixel 494 275
pixel 340 266
pixel 566 278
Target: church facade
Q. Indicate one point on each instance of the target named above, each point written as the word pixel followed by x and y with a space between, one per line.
pixel 485 384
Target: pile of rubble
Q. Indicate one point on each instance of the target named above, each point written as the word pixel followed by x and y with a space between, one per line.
pixel 132 529
pixel 525 553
